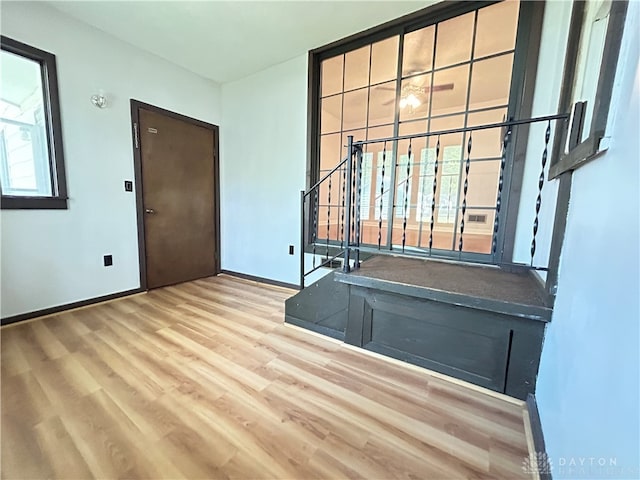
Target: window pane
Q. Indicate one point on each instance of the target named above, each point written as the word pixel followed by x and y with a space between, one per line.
pixel 331 69
pixel 450 90
pixel 448 123
pixel 484 117
pixel 356 68
pixel 382 103
pixel 384 60
pixel 425 184
pixel 448 184
pixel 478 230
pixel 483 183
pixel 487 143
pixel 420 183
pixel 490 82
pixel 490 39
pixel 453 43
pixel 416 172
pixel 355 109
pixel 404 177
pixel 331 115
pixel 25 169
pixel 378 132
pixel 329 208
pixel 414 97
pixel 384 164
pixel 329 151
pixel 407 184
pixel 413 127
pixel 417 54
pixel 357 135
pixel 379 201
pixel 448 181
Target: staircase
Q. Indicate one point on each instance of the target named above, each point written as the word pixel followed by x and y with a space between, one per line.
pixel 463 313
pixel 322 307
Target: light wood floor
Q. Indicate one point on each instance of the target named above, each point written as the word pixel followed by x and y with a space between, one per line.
pixel 203 380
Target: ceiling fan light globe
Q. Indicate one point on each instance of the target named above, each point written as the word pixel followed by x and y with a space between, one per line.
pixel 413 100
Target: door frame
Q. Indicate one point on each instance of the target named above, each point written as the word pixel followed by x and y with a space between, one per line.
pixel 136 105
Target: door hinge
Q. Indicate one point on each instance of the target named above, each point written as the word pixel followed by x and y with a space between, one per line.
pixel 135 135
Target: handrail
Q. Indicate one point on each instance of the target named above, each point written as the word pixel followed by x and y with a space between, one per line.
pixel 560 116
pixel 317 184
pixel 350 246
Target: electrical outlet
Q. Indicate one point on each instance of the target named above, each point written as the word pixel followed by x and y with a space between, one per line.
pixel 290 249
pixel 128 186
pixel 108 260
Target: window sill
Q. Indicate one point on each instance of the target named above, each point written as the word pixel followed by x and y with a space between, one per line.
pixel 590 149
pixel 33 203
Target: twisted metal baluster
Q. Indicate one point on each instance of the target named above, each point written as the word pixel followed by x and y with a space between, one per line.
pixel 503 163
pixel 384 161
pixel 314 233
pixel 359 164
pixel 353 202
pixel 465 189
pixel 547 135
pixel 406 197
pixel 433 198
pixel 328 216
pixel 344 193
pixel 422 180
pixel 358 223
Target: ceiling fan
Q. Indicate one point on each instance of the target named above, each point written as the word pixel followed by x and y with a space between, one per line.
pixel 409 94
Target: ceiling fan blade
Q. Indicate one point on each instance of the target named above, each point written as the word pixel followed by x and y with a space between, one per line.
pixel 425 90
pixel 441 88
pixel 435 88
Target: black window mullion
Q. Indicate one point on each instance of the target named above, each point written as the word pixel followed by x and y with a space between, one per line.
pixel 429 116
pixel 394 147
pixel 48 127
pixel 366 132
pixel 464 135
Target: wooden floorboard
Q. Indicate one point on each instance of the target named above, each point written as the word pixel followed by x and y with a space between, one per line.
pixel 203 380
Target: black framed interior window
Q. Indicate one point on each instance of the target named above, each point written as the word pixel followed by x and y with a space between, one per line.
pixel 31 158
pixel 447 67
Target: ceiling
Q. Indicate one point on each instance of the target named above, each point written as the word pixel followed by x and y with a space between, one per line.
pixel 228 40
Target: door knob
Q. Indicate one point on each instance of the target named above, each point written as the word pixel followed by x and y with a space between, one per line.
pixel 149 210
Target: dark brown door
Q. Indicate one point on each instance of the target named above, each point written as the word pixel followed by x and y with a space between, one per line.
pixel 178 196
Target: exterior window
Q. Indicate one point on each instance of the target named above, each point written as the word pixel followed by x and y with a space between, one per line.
pixel 449 74
pixel 31 159
pixel 595 37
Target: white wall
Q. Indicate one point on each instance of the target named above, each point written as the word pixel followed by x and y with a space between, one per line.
pixel 588 383
pixel 263 147
pixel 555 31
pixel 55 257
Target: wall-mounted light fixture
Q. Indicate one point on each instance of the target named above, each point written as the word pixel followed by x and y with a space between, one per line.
pixel 99 100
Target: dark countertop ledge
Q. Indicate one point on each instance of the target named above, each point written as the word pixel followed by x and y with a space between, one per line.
pixel 474 286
